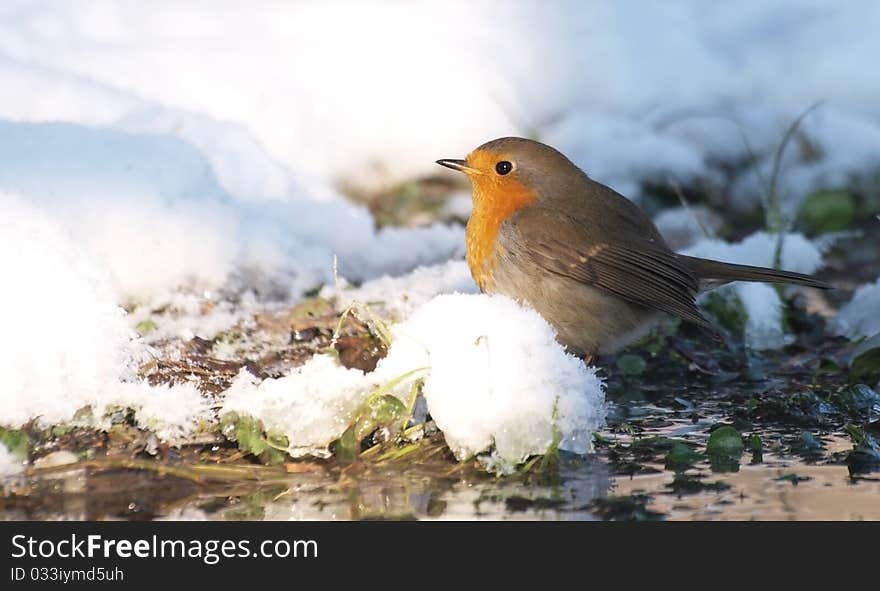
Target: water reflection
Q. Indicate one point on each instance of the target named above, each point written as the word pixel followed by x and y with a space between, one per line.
pixel 391 493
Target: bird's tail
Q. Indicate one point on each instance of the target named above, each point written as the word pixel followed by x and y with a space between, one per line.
pixel 718 273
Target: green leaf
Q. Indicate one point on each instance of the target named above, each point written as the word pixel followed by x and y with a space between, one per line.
pixel 865 368
pixel 631 365
pixel 17 441
pixel 681 457
pixel 756 444
pixel 346 447
pixel 725 440
pixel 247 432
pixel 725 447
pixel 378 412
pixel 827 211
pixel 549 467
pixel 145 326
pixel 276 449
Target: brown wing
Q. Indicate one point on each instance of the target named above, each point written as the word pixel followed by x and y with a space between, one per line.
pixel 634 268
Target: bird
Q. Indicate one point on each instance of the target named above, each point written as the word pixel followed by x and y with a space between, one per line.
pixel 585 257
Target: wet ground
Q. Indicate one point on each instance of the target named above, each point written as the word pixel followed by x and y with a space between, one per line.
pixel 693 434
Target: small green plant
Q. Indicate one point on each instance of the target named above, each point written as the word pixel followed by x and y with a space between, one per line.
pixel 249 433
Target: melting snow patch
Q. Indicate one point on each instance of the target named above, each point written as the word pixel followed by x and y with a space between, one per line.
pixel 495 379
pixel 312 406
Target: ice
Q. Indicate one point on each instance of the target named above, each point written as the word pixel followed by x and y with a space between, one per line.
pixel 860 317
pixel 763 329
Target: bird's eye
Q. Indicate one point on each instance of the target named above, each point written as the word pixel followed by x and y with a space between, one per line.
pixel 503 167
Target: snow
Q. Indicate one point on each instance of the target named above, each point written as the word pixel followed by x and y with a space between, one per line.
pixel 66 339
pixel 498 377
pixel 860 317
pixel 763 329
pixel 398 297
pixel 495 379
pixel 187 164
pixel 315 84
pixel 681 226
pixel 9 464
pixel 67 344
pixel 140 200
pixel 798 253
pixel 312 405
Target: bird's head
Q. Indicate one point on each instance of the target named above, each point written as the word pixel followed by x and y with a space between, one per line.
pixel 511 172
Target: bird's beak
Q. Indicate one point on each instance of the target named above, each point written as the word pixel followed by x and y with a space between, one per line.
pixel 459 165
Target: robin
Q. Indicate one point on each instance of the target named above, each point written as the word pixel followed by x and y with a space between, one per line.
pixel 588 259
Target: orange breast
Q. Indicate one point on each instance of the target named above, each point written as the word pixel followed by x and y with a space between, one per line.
pixel 494 202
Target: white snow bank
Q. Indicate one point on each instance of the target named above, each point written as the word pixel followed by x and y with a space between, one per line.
pixel 66 343
pixel 10 465
pixel 495 377
pixel 860 317
pixel 327 89
pixel 762 305
pixel 62 327
pixel 150 208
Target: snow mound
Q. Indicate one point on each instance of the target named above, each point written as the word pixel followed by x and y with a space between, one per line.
pixel 68 345
pixel 494 378
pixel 762 305
pixel 860 317
pixel 498 377
pixel 66 340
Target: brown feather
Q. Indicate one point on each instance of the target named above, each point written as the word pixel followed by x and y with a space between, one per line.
pixel 706 269
pixel 642 271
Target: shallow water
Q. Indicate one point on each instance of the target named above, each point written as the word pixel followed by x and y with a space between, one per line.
pixel 777 489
